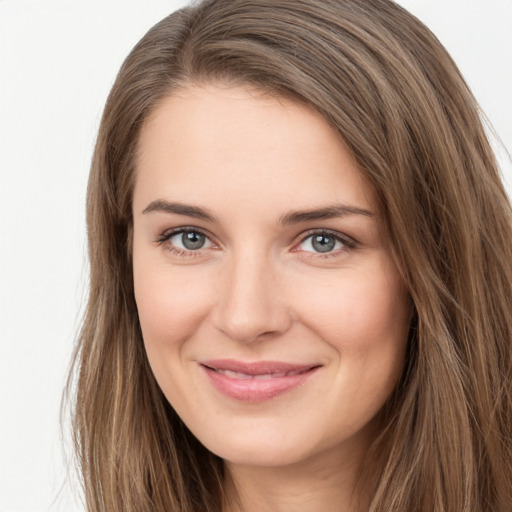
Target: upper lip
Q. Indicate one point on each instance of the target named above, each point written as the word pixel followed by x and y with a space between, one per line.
pixel 257 367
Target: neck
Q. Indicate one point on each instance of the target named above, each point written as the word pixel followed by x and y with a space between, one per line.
pixel 324 483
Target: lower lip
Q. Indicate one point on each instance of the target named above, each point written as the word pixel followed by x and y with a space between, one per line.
pixel 255 390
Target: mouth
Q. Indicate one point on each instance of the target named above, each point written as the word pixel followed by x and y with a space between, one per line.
pixel 256 381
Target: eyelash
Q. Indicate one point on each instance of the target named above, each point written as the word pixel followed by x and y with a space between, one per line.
pixel 348 243
pixel 165 237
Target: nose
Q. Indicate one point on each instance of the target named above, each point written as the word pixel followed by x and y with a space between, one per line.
pixel 250 305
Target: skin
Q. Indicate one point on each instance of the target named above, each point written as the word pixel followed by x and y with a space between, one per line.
pixel 259 289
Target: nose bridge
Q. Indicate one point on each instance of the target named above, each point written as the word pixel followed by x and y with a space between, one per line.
pixel 250 305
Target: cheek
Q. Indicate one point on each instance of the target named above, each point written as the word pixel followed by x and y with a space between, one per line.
pixel 170 304
pixel 359 312
pixel 366 323
pixel 364 317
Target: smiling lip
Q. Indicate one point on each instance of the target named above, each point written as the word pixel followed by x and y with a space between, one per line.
pixel 256 381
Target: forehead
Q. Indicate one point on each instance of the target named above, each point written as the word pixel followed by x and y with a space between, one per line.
pixel 215 142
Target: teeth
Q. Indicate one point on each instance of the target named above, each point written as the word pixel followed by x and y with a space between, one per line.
pixel 264 376
pixel 234 375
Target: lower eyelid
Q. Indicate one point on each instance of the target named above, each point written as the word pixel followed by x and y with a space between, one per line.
pixel 183 252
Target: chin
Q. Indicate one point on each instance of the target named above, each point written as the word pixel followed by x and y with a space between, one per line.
pixel 261 456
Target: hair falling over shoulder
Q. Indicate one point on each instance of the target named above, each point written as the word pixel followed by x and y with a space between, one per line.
pixel 398 101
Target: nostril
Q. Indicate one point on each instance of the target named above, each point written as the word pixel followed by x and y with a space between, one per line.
pixel 252 328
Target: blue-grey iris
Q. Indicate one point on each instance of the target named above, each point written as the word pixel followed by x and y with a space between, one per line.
pixel 323 243
pixel 192 240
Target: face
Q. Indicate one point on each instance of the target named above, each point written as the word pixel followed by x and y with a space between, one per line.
pixel 273 316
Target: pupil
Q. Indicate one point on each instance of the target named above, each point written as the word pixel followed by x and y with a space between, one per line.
pixel 192 240
pixel 322 243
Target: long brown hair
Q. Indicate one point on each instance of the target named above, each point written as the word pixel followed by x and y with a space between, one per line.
pixel 388 87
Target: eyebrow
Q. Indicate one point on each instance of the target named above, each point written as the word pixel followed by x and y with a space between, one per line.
pixel 292 217
pixel 329 212
pixel 179 208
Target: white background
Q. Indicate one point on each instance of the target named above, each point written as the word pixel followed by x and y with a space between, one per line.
pixel 58 60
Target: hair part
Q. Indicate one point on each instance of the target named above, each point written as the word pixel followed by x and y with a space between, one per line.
pixel 395 97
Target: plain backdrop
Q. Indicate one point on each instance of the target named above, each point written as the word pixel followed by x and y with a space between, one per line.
pixel 58 60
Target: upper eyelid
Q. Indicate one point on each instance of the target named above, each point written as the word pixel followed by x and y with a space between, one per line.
pixel 169 233
pixel 331 232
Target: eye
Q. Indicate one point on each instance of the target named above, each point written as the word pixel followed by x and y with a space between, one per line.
pixel 323 242
pixel 185 240
pixel 189 240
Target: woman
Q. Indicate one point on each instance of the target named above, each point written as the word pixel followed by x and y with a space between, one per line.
pixel 300 271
